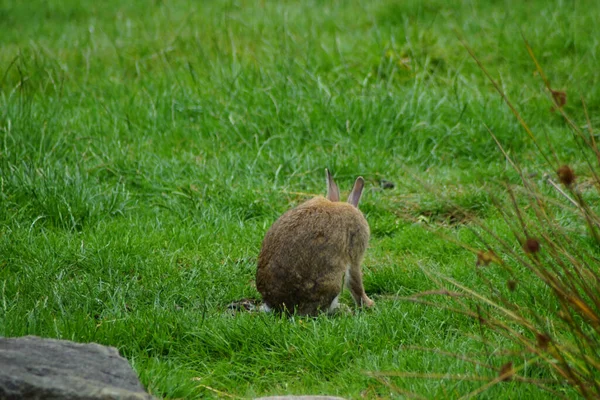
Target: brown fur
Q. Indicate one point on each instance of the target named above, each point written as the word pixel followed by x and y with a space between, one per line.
pixel 306 253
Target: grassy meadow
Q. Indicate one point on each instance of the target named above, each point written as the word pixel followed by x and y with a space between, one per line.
pixel 147 146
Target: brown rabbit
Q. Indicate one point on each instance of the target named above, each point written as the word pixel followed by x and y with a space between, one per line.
pixel 309 249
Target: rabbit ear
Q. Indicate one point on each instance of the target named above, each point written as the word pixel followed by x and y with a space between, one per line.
pixel 354 197
pixel 333 192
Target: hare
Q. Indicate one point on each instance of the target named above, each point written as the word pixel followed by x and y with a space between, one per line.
pixel 308 250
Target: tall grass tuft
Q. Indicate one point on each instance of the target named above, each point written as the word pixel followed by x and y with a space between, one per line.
pixel 536 307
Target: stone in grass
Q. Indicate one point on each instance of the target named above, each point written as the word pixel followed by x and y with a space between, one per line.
pixel 299 398
pixel 385 184
pixel 36 368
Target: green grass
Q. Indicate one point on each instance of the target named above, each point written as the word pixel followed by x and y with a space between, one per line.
pixel 147 146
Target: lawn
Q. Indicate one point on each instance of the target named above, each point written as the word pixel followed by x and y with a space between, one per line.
pixel 147 146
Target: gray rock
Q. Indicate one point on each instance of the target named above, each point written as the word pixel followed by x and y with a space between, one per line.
pixel 385 184
pixel 36 368
pixel 299 398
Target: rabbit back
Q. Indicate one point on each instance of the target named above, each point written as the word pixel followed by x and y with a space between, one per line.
pixel 306 253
